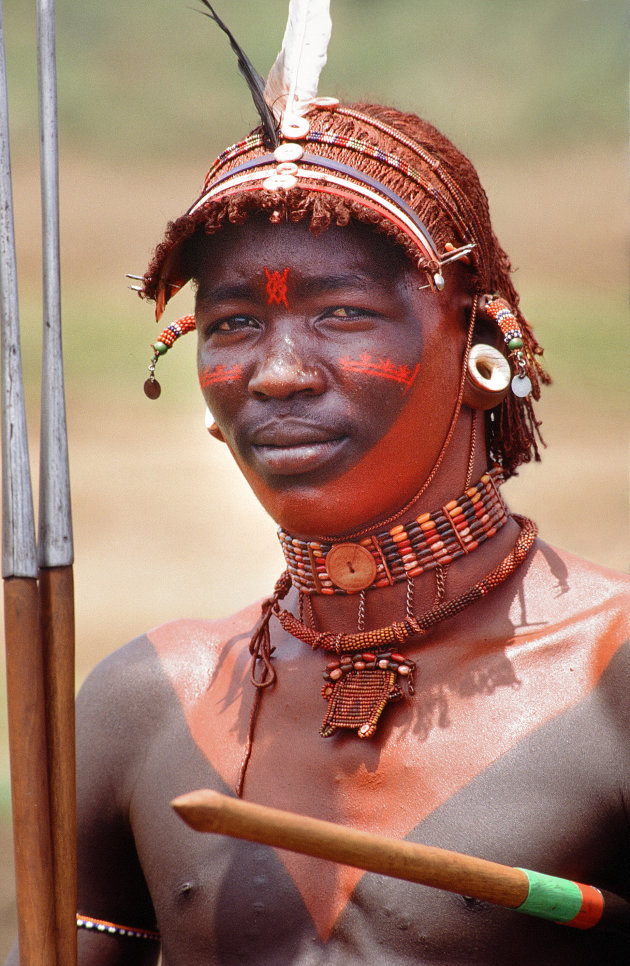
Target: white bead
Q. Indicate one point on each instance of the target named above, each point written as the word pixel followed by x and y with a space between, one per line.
pixel 289 151
pixel 294 127
pixel 276 182
pixel 325 103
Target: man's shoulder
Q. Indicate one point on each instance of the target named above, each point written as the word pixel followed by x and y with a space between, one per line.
pixel 575 606
pixel 579 583
pixel 184 637
pixel 182 647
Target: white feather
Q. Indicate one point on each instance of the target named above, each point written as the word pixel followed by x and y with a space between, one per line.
pixel 292 82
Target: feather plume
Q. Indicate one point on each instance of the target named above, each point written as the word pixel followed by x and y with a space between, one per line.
pixel 251 75
pixel 293 79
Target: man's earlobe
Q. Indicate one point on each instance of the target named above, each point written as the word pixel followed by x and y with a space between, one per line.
pixel 212 427
pixel 487 377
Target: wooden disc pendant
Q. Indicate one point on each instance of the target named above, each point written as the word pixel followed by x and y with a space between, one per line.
pixel 350 566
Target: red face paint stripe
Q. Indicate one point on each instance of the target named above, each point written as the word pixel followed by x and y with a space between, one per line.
pixel 277 287
pixel 383 369
pixel 209 377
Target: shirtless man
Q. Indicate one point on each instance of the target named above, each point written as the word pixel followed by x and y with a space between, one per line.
pixel 336 336
pixel 346 281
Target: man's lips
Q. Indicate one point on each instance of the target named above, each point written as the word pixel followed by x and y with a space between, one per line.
pixel 298 458
pixel 287 447
pixel 292 432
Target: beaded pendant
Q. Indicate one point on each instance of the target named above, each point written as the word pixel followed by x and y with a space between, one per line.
pixel 358 688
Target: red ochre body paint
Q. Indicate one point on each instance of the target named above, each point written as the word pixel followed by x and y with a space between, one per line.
pixel 277 287
pixel 209 377
pixel 381 369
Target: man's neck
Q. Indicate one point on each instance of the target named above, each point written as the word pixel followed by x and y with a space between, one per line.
pixel 385 602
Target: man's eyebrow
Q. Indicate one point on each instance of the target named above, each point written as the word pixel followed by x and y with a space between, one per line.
pixel 226 293
pixel 332 283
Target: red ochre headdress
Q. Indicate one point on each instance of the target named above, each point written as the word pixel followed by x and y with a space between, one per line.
pixel 317 159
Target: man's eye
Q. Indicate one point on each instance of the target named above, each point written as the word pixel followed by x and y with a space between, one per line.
pixel 235 323
pixel 343 312
pixel 346 314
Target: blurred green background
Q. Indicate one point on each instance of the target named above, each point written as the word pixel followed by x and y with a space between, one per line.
pixel 149 93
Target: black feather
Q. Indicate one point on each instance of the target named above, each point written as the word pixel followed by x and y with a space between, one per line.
pixel 254 81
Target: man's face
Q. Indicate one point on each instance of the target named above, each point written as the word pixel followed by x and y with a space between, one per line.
pixel 330 374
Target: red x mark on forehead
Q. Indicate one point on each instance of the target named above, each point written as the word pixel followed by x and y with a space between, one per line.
pixel 277 287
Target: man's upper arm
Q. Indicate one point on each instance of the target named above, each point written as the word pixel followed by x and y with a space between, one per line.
pixel 111 737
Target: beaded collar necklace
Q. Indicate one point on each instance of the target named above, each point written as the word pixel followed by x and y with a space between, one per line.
pixel 368 668
pixel 404 551
pixel 364 677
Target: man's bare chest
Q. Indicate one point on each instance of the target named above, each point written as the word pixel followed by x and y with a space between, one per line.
pixel 489 781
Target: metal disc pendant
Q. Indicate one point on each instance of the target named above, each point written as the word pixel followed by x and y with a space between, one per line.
pixel 521 386
pixel 152 388
pixel 350 566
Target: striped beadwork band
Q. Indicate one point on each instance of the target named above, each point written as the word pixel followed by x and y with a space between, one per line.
pixel 114 929
pixel 407 550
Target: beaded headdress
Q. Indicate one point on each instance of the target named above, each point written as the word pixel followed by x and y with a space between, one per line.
pixel 314 158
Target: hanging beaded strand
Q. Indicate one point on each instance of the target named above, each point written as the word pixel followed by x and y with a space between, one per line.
pixel 162 344
pixel 499 310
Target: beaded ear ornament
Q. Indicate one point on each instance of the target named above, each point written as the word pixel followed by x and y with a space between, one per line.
pixel 162 344
pixel 501 313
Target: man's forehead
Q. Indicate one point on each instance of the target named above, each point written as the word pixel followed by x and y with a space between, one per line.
pixel 213 288
pixel 352 255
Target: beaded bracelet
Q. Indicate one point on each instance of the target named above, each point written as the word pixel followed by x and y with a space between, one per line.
pixel 112 929
pixel 407 550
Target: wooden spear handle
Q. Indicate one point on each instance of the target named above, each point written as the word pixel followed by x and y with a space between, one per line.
pixel 208 811
pixel 56 590
pixel 29 786
pixel 540 895
pixel 55 550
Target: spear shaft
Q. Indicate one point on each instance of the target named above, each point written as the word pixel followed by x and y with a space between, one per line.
pixel 25 677
pixel 55 544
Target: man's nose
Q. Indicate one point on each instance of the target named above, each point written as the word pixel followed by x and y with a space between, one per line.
pixel 284 370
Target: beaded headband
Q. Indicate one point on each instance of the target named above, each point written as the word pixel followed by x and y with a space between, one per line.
pixel 289 167
pixel 283 104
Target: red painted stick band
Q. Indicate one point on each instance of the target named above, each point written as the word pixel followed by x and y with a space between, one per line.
pixel 591 910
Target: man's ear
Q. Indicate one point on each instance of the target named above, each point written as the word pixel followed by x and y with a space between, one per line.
pixel 487 377
pixel 212 427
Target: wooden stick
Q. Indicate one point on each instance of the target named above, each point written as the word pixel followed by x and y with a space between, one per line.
pixel 29 780
pixel 519 889
pixel 55 543
pixel 56 591
pixel 25 682
pixel 208 811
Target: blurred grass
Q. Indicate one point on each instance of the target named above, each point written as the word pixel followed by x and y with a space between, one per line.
pixel 535 92
pixel 142 79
